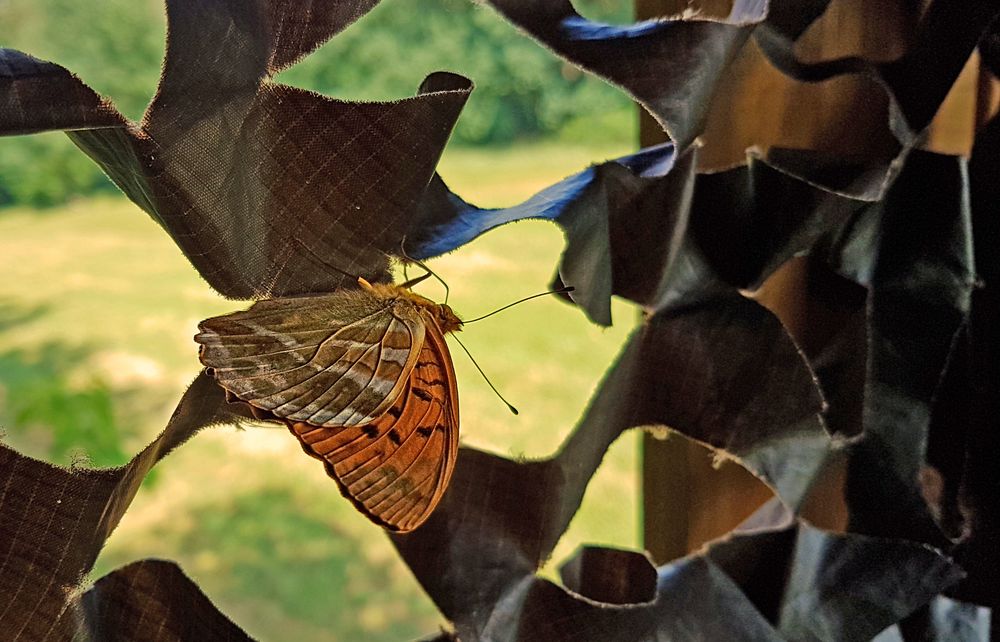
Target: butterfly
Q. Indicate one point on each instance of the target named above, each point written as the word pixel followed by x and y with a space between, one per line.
pixel 363 378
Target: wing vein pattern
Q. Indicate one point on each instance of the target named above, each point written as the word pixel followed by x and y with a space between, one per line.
pixel 396 468
pixel 300 361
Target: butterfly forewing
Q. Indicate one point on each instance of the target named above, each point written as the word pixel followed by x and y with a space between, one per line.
pixel 332 360
pixel 396 468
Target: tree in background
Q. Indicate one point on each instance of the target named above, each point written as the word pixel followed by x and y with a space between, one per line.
pixel 522 92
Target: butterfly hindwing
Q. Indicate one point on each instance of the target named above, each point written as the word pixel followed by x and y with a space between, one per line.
pixel 339 359
pixel 396 468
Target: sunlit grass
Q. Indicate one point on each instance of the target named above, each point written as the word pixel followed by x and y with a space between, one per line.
pixel 99 308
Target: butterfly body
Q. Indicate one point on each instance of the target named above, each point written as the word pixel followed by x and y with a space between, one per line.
pixel 363 378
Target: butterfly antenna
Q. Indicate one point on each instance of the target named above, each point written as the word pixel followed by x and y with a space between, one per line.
pixel 562 290
pixel 487 379
pixel 430 272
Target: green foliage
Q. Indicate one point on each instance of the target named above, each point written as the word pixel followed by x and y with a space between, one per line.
pixel 46 170
pixel 41 400
pixel 523 92
pixel 283 549
pixel 116 47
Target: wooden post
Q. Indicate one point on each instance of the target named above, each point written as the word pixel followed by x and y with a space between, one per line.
pixel 686 501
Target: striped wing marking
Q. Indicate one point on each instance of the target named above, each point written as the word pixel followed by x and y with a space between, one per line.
pixel 291 358
pixel 395 469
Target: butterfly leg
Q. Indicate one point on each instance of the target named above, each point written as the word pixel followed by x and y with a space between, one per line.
pixel 414 281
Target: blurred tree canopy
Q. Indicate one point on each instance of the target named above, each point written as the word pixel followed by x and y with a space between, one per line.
pixel 523 92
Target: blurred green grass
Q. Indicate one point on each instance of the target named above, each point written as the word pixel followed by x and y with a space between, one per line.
pixel 97 313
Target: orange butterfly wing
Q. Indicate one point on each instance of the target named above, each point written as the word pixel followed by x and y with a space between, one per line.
pixel 396 468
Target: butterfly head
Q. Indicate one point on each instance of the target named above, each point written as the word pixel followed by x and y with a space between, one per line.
pixel 442 313
pixel 446 318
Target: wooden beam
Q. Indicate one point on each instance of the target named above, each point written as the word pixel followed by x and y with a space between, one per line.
pixel 686 501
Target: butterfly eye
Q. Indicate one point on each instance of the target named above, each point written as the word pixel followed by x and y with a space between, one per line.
pixel 448 315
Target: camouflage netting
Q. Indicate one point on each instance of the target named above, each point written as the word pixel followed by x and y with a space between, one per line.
pixel 272 191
